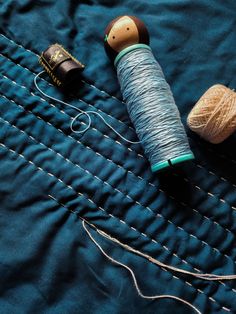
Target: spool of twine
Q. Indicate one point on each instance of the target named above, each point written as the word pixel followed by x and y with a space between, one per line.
pixel 148 97
pixel 214 115
pixel 152 109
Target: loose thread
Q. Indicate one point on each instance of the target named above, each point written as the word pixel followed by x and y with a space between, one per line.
pixel 203 276
pixel 81 113
pixel 152 297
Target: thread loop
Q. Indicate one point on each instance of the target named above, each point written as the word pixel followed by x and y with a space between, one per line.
pixel 81 113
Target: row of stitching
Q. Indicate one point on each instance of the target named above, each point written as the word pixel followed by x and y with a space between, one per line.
pixel 37 55
pixel 81 100
pixel 91 201
pixel 140 155
pixel 114 97
pixel 182 203
pixel 194 236
pixel 114 188
pixel 223 179
pixel 106 93
pixel 18 64
pixel 102 91
pixel 205 191
pixel 23 48
pixel 104 182
pixel 215 153
pixel 49 83
pixel 145 234
pixel 213 174
pixel 32 94
pixel 138 203
pixel 99 110
pixel 95 87
pixel 40 169
pixel 87 104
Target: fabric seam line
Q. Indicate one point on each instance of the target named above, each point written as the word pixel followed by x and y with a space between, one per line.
pixel 119 166
pixel 133 151
pixel 93 86
pixel 106 183
pixel 184 261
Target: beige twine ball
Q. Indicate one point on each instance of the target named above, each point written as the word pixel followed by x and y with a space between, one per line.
pixel 214 115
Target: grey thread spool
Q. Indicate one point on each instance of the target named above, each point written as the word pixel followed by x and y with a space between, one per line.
pixel 149 100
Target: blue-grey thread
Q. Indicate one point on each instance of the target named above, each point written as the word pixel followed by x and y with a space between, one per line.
pixel 151 106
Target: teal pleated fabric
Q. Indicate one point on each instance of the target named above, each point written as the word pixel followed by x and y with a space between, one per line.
pixel 51 178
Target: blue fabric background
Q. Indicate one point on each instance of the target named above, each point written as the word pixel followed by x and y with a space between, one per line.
pixel 49 178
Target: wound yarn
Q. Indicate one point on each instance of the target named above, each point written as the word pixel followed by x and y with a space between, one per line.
pixel 152 109
pixel 214 115
pixel 149 100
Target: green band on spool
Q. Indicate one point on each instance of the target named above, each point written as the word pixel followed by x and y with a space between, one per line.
pixel 172 162
pixel 160 165
pixel 128 49
pixel 182 158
